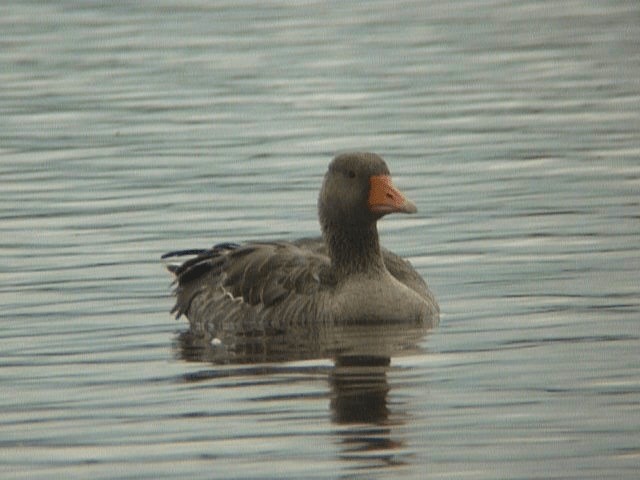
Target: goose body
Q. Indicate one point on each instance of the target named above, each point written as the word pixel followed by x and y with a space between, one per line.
pixel 342 277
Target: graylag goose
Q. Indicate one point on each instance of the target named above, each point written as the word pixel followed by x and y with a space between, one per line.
pixel 345 276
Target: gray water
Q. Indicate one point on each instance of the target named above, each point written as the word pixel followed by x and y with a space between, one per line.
pixel 128 129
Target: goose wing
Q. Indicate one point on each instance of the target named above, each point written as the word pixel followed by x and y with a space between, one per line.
pixel 258 274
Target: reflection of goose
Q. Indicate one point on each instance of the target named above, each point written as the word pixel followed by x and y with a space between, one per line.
pixel 359 390
pixel 348 345
pixel 345 277
pixel 358 393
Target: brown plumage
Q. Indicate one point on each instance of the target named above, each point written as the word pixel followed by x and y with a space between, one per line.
pixel 344 276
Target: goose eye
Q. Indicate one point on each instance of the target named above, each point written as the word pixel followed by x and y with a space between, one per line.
pixel 352 174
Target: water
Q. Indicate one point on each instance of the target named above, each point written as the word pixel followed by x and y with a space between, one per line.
pixel 129 130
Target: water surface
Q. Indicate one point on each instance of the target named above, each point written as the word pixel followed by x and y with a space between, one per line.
pixel 128 130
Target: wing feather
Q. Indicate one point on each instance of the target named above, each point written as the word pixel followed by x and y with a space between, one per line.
pixel 261 275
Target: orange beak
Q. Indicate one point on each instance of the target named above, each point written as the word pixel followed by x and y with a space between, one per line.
pixel 385 198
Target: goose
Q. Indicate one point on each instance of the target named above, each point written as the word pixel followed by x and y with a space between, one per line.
pixel 344 276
